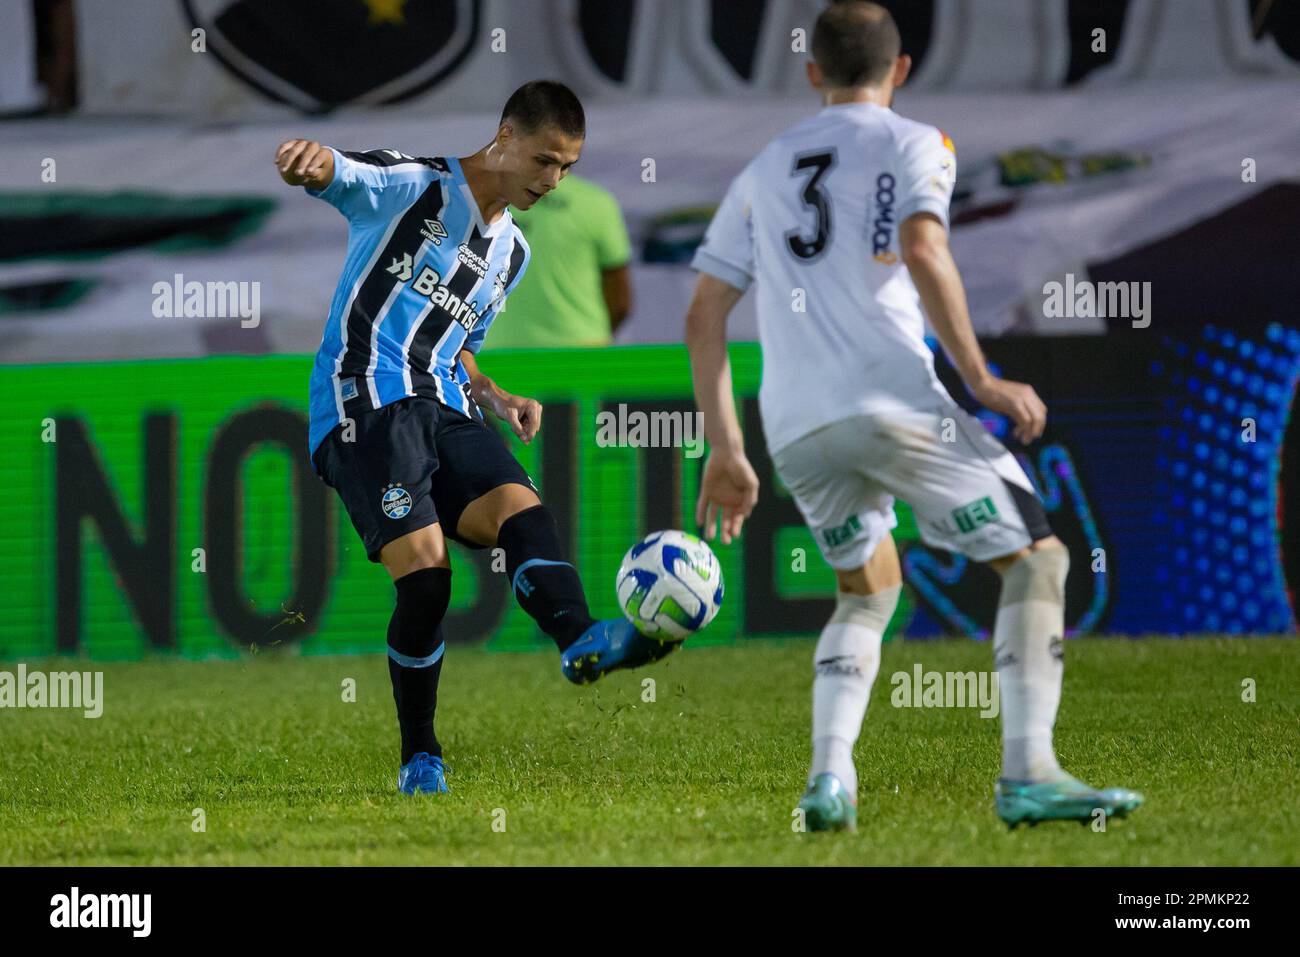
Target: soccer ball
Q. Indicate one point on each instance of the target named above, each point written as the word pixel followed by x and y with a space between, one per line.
pixel 670 585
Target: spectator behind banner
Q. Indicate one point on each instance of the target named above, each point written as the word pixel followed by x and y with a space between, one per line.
pixel 576 291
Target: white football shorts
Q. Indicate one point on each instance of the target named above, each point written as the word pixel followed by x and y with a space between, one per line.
pixel 968 493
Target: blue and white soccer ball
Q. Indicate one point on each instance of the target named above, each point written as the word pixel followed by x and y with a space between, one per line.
pixel 670 585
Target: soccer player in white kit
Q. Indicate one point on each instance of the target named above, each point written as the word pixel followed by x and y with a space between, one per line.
pixel 847 214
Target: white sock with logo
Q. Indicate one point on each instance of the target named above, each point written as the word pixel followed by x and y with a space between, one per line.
pixel 846 661
pixel 1028 637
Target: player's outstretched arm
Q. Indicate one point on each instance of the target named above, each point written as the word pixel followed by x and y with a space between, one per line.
pixel 523 415
pixel 729 487
pixel 305 163
pixel 924 244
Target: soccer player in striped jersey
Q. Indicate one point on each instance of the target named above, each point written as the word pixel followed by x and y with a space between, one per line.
pixel 848 212
pixel 396 396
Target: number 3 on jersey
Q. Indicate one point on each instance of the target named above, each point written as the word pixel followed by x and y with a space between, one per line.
pixel 813 167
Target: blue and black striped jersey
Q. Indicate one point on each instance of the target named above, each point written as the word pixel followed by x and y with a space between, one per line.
pixel 423 279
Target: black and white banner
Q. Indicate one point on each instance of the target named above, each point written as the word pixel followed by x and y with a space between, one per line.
pixel 227 59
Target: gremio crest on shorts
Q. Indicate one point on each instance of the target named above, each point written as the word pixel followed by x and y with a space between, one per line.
pixel 318 56
pixel 396 502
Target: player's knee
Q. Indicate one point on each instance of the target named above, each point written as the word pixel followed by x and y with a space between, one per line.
pixel 483 519
pixel 421 549
pixel 864 581
pixel 1037 575
pixel 422 600
pixel 855 650
pixel 852 581
pixel 877 570
pixel 871 611
pixel 530 533
pixel 515 498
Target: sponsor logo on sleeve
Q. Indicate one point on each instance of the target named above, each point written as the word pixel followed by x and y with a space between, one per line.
pixel 882 227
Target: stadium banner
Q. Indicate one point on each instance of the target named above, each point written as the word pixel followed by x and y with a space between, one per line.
pixel 169 505
pixel 1196 182
pixel 228 59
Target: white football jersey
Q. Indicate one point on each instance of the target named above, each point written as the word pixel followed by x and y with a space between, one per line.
pixel 814 217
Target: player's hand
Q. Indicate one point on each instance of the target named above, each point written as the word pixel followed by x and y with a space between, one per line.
pixel 304 163
pixel 1016 400
pixel 728 492
pixel 524 416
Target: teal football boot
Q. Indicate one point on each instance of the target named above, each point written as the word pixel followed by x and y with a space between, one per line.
pixel 827 806
pixel 1060 799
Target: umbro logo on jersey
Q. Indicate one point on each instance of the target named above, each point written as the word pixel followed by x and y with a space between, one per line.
pixel 402 268
pixel 434 230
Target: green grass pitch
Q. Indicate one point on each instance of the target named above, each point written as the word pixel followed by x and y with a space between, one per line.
pixel 287 772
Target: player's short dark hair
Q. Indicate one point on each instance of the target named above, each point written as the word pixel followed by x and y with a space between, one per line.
pixel 545 103
pixel 855 43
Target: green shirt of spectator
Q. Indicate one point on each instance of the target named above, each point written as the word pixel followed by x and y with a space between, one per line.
pixel 576 291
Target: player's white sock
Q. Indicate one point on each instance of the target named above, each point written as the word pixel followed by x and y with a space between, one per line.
pixel 846 661
pixel 836 756
pixel 1028 637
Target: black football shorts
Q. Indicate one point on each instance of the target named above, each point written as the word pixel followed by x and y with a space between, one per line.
pixel 413 463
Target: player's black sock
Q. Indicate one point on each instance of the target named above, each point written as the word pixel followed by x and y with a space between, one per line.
pixel 545 585
pixel 415 648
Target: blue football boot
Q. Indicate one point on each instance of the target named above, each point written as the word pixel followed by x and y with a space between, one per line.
pixel 423 774
pixel 608 646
